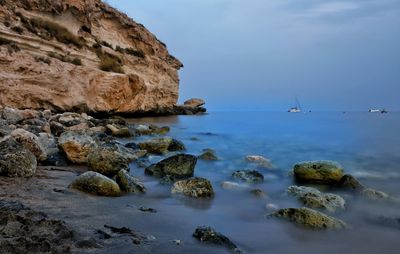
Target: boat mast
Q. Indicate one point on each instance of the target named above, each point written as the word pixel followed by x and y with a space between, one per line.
pixel 298 103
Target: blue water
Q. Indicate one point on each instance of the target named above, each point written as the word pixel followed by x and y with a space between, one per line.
pixel 367 145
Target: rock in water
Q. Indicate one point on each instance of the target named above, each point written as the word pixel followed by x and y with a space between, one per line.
pixel 313 198
pixel 194 102
pixel 309 218
pixel 76 146
pixel 176 145
pixel 157 145
pixel 96 184
pixel 374 194
pixel 178 166
pixel 15 160
pixel 208 155
pixel 129 184
pixel 321 172
pixel 248 176
pixel 351 183
pixel 260 161
pixel 107 160
pixel 31 142
pixel 209 235
pixel 195 188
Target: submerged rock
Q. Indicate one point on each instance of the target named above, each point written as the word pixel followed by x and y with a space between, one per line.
pixel 107 160
pixel 374 194
pixel 31 142
pixel 248 176
pixel 313 198
pixel 260 161
pixel 76 146
pixel 351 183
pixel 129 184
pixel 178 166
pixel 97 184
pixel 195 188
pixel 309 218
pixel 15 160
pixel 321 172
pixel 233 186
pixel 209 235
pixel 258 193
pixel 208 155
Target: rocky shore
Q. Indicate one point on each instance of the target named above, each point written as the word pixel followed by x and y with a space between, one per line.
pixel 77 153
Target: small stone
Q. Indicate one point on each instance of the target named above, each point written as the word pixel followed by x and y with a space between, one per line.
pixel 374 194
pixel 260 161
pixel 248 176
pixel 179 166
pixel 258 193
pixel 350 182
pixel 147 209
pixel 209 235
pixel 129 184
pixel 271 207
pixel 177 242
pixel 208 155
pixel 232 185
pixel 122 132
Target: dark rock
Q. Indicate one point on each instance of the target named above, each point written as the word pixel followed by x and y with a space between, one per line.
pixel 176 145
pixel 57 159
pixel 179 166
pixel 208 155
pixel 129 184
pixel 249 176
pixel 132 145
pixel 351 183
pixel 209 235
pixel 15 160
pixel 56 128
pixel 147 209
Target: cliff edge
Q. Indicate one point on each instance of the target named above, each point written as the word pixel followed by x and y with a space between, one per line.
pixel 82 55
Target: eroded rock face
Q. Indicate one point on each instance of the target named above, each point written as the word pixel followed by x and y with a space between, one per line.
pixel 56 57
pixel 309 218
pixel 15 160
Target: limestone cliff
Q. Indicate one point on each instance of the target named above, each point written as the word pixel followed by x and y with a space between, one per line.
pixel 82 55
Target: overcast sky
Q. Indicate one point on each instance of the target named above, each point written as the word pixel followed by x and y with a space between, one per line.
pixel 261 54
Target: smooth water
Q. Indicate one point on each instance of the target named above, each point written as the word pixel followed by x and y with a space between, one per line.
pixel 367 145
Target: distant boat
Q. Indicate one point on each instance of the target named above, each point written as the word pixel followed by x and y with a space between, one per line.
pixel 296 109
pixel 374 110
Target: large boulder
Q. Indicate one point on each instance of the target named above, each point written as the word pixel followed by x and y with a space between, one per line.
pixel 248 176
pixel 210 236
pixel 31 142
pixel 15 159
pixel 107 159
pixel 96 184
pixel 309 218
pixel 321 172
pixel 313 198
pixel 76 146
pixel 195 188
pixel 128 183
pixel 178 166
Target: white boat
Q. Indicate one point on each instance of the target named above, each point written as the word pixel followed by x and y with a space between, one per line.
pixel 374 110
pixel 296 109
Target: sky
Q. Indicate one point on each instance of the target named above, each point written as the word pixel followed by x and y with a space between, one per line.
pixel 262 54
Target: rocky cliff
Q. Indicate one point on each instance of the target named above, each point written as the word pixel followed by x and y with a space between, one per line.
pixel 82 55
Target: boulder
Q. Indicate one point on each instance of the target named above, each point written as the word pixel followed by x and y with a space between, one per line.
pixel 351 183
pixel 76 146
pixel 176 145
pixel 15 159
pixel 309 218
pixel 31 142
pixel 107 159
pixel 14 116
pixel 248 176
pixel 321 172
pixel 210 236
pixel 208 155
pixel 157 145
pixel 178 166
pixel 96 184
pixel 128 183
pixel 194 102
pixel 195 188
pixel 260 161
pixel 122 132
pixel 313 198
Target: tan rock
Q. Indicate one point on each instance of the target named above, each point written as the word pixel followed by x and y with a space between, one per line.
pixel 29 78
pixel 31 142
pixel 76 146
pixel 194 102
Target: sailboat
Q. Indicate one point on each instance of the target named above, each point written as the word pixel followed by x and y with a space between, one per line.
pixel 296 109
